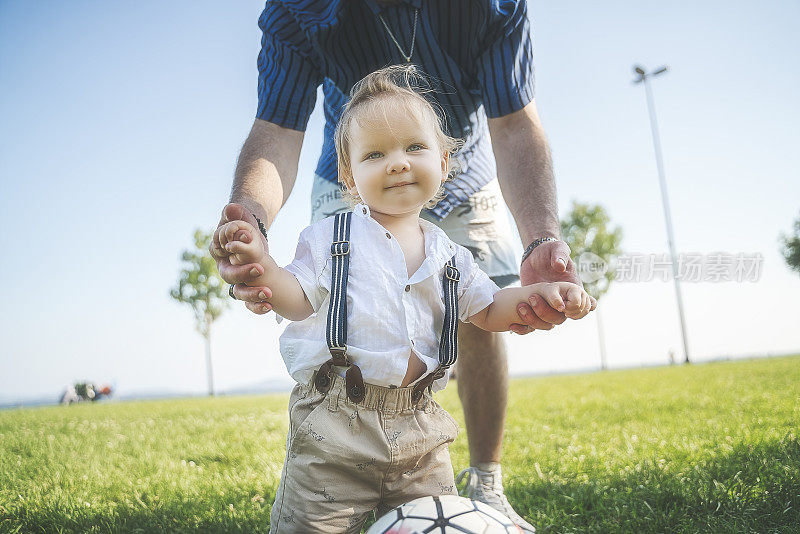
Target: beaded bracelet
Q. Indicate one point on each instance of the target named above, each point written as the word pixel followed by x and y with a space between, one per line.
pixel 535 244
pixel 261 227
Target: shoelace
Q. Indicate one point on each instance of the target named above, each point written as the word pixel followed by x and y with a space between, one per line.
pixel 487 483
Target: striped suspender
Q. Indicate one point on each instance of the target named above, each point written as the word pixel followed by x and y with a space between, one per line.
pixel 336 332
pixel 448 346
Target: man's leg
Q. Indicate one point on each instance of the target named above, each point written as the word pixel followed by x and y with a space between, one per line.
pixel 482 371
pixel 483 389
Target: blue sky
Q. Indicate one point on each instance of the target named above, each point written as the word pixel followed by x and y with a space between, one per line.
pixel 121 125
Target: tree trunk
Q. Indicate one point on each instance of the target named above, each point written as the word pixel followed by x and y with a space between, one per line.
pixel 209 368
pixel 603 360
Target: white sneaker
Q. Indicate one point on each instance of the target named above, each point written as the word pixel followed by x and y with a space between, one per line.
pixel 487 487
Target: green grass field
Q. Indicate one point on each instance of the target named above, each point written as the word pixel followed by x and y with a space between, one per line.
pixel 699 448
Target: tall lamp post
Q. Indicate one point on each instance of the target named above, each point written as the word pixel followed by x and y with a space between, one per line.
pixel 645 77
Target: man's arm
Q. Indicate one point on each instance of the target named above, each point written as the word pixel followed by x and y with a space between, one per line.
pixel 265 174
pixel 266 169
pixel 525 172
pixel 525 175
pixel 288 78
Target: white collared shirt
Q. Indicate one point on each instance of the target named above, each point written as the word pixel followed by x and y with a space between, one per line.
pixel 388 313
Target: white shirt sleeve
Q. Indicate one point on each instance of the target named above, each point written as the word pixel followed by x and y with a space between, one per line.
pixel 307 266
pixel 475 289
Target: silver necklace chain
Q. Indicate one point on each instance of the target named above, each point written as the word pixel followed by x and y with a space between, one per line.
pixel 413 36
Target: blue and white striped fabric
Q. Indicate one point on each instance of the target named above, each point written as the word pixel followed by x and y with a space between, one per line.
pixel 478 53
pixel 448 346
pixel 336 332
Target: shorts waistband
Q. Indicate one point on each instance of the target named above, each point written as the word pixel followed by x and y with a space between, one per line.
pixel 383 399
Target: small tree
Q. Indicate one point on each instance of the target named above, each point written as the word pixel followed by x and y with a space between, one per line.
pixel 594 246
pixel 791 247
pixel 201 286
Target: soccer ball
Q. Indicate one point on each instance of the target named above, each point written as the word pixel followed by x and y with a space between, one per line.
pixel 448 514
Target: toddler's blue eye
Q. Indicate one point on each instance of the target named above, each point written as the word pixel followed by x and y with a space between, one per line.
pixel 420 147
pixel 369 156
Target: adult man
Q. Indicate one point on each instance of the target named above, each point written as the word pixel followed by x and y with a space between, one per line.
pixel 479 54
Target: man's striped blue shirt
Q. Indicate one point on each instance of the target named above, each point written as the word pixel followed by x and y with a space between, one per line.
pixel 478 54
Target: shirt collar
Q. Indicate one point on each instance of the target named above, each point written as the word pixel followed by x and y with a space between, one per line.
pixel 438 247
pixel 315 15
pixel 378 7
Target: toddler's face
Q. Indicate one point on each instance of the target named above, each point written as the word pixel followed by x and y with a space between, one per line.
pixel 396 162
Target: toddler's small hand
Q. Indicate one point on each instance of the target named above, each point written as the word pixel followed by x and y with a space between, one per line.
pixel 568 298
pixel 238 237
pixel 578 302
pixel 573 301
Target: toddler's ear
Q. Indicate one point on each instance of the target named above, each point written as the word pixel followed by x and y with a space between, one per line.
pixel 445 165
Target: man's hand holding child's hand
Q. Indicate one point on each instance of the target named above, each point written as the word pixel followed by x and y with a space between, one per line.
pixel 501 315
pixel 549 262
pixel 243 244
pixel 568 298
pixel 241 277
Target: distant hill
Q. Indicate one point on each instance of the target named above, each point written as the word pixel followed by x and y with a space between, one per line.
pixel 263 386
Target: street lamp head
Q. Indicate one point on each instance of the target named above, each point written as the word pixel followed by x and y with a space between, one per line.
pixel 661 70
pixel 640 72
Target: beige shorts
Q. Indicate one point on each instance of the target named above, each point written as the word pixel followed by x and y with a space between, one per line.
pixel 344 460
pixel 480 224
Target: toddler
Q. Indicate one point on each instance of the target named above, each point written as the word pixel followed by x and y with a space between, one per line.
pixel 376 294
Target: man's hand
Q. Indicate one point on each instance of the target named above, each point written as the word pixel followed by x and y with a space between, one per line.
pixel 549 262
pixel 240 275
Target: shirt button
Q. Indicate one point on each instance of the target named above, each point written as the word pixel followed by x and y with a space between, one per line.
pixel 388 235
pixel 408 288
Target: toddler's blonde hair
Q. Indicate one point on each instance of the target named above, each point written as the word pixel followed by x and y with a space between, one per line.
pixel 404 85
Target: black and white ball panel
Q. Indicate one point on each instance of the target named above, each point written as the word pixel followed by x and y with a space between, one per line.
pixel 448 514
